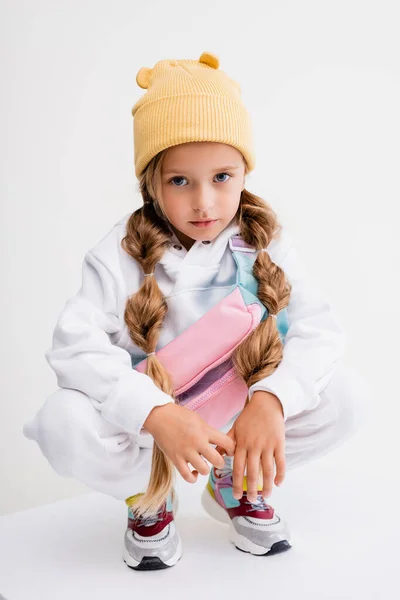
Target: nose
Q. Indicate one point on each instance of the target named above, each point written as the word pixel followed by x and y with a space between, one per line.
pixel 203 201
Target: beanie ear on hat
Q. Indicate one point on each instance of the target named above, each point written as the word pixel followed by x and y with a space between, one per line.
pixel 189 101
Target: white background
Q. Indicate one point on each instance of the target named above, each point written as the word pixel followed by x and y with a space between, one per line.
pixel 322 83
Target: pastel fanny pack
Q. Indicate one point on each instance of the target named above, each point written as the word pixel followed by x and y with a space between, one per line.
pixel 199 359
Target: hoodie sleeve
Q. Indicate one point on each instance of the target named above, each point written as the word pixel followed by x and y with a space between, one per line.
pixel 315 341
pixel 85 359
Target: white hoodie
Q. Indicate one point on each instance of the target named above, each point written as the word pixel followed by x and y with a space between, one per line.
pixel 92 350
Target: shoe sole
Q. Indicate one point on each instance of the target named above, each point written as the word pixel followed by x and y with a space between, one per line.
pixel 152 563
pixel 216 511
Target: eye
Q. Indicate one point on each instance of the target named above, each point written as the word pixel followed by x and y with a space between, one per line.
pixel 177 177
pixel 223 174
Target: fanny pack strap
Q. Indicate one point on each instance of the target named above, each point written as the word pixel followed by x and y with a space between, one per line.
pixel 244 256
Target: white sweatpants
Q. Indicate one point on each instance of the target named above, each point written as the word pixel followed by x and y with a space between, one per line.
pixel 79 443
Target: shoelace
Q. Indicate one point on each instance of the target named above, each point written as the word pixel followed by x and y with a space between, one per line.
pixel 227 468
pixel 224 471
pixel 147 522
pixel 259 503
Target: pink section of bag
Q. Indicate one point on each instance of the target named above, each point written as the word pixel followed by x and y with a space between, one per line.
pixel 197 351
pixel 223 400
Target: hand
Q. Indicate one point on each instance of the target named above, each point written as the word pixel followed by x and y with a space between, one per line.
pixel 259 433
pixel 184 437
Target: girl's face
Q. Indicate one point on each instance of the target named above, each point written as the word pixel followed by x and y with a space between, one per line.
pixel 200 180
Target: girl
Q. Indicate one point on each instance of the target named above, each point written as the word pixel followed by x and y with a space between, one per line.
pixel 196 335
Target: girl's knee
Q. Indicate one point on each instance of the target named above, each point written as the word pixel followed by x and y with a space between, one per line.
pixel 62 411
pixel 352 396
pixel 63 426
pixel 78 442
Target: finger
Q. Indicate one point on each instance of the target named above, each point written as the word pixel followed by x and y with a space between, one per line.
pixel 213 456
pixel 280 461
pixel 223 440
pixel 267 463
pixel 253 475
pixel 239 464
pixel 185 471
pixel 222 451
pixel 198 462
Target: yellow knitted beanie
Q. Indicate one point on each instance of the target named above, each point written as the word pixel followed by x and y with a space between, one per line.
pixel 189 101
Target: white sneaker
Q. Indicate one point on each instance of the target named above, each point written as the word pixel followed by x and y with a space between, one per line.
pixel 153 543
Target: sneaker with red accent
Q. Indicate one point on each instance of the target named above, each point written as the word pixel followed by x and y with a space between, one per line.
pixel 254 526
pixel 152 543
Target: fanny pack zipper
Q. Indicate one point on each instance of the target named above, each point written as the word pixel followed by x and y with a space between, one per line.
pixel 231 374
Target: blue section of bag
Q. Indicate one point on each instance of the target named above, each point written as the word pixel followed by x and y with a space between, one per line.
pixel 248 286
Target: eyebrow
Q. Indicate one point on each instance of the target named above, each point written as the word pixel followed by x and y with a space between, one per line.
pixel 226 168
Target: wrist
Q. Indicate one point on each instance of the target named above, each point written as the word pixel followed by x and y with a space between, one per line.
pixel 267 399
pixel 155 414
